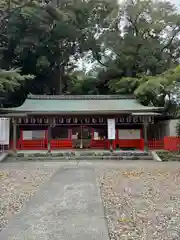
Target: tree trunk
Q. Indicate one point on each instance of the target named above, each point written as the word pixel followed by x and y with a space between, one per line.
pixel 58 84
pixel 60 81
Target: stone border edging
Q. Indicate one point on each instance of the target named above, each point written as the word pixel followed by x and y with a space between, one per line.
pixel 155 156
pixel 3 156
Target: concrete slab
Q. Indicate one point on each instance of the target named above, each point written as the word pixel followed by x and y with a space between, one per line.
pixel 67 207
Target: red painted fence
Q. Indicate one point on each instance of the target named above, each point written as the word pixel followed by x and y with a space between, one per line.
pixel 156 144
pixel 167 143
pixel 100 144
pixel 172 143
pixel 32 145
pixel 129 143
pixel 61 144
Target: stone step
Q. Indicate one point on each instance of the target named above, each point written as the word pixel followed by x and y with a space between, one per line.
pixel 84 154
pixel 78 158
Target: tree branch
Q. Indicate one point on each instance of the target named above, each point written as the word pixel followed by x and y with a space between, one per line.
pixel 11 11
pixel 134 25
pixel 99 61
pixel 172 38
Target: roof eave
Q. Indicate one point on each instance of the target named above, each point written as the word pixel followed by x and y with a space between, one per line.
pixel 14 112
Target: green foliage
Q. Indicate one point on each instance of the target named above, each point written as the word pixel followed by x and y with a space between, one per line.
pixel 80 83
pixel 167 156
pixel 124 85
pixel 135 46
pixel 178 128
pixel 151 90
pixel 143 37
pixel 47 39
pixel 11 80
pixel 42 63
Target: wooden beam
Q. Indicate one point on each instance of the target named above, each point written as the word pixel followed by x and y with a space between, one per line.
pixel 145 126
pixel 49 137
pixel 14 135
pixel 9 115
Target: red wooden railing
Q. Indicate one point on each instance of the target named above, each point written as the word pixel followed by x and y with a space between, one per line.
pixel 100 144
pixel 156 144
pixel 169 143
pixel 172 143
pixel 67 144
pixel 129 143
pixel 61 144
pixel 32 144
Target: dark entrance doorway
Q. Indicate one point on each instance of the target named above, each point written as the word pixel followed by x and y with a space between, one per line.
pixel 81 137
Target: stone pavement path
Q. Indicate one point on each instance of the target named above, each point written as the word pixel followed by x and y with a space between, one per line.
pixel 68 207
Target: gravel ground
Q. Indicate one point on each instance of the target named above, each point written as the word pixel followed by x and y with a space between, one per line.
pixel 18 182
pixel 142 203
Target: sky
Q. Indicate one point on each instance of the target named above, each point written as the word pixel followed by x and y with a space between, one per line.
pixel 176 1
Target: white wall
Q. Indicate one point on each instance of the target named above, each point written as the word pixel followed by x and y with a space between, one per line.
pixel 165 128
pixel 172 127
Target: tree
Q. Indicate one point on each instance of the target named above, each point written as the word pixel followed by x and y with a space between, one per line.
pixel 152 90
pixel 10 79
pixel 46 40
pixel 134 45
pixel 9 7
pixel 143 40
pixel 146 37
pixel 80 83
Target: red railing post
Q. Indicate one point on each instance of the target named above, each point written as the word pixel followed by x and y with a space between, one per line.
pixel 142 144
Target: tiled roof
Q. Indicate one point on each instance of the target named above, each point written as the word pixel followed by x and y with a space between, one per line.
pixel 71 104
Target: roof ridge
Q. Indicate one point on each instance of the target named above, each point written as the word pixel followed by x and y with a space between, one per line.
pixel 80 97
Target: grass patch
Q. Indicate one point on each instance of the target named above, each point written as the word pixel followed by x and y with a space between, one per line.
pixel 167 156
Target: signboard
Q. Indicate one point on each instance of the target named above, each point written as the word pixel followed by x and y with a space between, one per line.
pixel 4 131
pixel 129 133
pixel 111 129
pixel 83 120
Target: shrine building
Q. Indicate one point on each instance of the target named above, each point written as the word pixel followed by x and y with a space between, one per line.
pixel 82 122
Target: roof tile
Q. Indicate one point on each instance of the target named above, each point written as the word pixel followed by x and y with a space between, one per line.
pixel 71 104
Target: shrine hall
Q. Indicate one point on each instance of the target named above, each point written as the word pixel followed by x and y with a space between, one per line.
pixel 55 122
